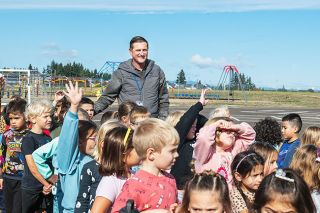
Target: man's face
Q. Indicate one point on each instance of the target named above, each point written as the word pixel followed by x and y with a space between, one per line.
pixel 139 52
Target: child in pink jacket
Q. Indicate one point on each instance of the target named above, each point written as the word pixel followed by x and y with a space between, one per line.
pixel 217 144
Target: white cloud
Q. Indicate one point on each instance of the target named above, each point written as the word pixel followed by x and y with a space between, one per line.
pixel 53 50
pixel 207 62
pixel 51 46
pixel 163 6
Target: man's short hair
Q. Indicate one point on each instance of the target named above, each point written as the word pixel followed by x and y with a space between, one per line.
pixel 16 106
pixel 137 39
pixel 153 133
pixel 294 119
pixel 85 100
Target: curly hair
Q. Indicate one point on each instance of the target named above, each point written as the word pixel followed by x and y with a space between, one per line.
pixel 268 130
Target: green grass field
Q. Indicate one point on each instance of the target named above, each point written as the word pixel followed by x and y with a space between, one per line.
pixel 256 98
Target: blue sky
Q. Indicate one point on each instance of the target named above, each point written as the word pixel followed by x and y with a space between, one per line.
pixel 274 42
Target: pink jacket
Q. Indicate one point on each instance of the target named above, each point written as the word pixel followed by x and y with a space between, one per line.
pixel 206 157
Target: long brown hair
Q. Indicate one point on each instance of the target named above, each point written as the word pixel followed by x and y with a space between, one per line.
pixel 311 135
pixel 305 164
pixel 114 149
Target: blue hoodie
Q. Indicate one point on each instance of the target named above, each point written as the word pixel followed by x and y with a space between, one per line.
pixel 70 162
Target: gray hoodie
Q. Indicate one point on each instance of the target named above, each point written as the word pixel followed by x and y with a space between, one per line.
pixel 147 86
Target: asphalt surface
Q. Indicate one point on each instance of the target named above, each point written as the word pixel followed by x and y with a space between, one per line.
pixel 310 117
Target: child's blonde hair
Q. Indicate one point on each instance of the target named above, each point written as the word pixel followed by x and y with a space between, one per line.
pixel 222 111
pixel 174 117
pixel 138 112
pixel 213 120
pixel 153 133
pixel 36 108
pixel 311 135
pixel 104 128
pixel 305 164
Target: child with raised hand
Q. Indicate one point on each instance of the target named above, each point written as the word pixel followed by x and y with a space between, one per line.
pixel 186 127
pixel 33 185
pixel 247 171
pixel 206 192
pixel 46 155
pixel 290 128
pixel 90 176
pixel 311 135
pixel 217 144
pixel 118 156
pixel 61 106
pixel 269 155
pixel 74 150
pixel 11 158
pixel 283 191
pixel 306 163
pixel 152 188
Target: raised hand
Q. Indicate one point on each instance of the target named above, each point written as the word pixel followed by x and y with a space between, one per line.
pixel 58 95
pixel 74 94
pixel 202 99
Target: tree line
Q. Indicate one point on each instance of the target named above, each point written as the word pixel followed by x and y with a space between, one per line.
pixel 73 70
pixel 246 82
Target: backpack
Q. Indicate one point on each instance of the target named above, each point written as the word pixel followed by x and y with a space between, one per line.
pixel 129 208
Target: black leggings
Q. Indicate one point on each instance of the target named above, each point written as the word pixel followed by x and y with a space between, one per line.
pixel 12 195
pixel 34 200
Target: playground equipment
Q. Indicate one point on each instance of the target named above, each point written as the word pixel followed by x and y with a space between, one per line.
pixel 230 81
pixel 17 78
pixel 109 67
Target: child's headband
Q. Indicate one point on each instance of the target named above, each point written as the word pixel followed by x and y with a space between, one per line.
pixel 251 154
pixel 125 140
pixel 282 175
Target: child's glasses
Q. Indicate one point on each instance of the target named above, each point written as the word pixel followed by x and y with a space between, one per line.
pixel 92 138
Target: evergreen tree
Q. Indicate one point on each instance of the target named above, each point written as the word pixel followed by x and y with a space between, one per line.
pixel 181 78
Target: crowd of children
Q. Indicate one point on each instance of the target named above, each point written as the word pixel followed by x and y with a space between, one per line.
pixel 54 158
